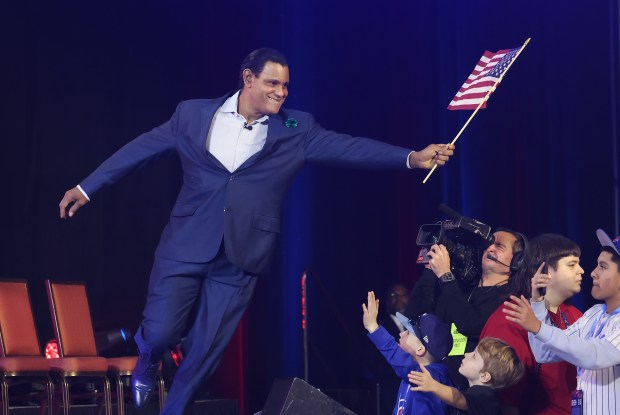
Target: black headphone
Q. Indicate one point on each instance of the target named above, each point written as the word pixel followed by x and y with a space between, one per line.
pixel 518 258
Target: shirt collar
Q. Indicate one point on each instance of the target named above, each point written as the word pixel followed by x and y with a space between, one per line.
pixel 231 104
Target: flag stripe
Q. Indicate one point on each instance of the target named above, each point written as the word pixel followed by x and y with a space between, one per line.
pixel 480 82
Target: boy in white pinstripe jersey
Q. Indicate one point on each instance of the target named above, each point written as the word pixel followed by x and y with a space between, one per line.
pixel 592 343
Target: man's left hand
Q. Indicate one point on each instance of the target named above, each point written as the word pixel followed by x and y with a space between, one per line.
pixel 434 154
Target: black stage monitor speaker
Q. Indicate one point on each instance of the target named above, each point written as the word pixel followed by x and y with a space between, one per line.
pixel 296 397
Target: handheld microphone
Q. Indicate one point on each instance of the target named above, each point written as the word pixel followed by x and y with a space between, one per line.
pixel 492 258
pixel 247 126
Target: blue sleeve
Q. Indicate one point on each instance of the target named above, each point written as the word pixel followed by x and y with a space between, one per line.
pixel 344 150
pixel 574 344
pixel 401 361
pixel 134 155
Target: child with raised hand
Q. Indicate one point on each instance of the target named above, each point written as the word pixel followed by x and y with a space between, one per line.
pixel 493 365
pixel 425 342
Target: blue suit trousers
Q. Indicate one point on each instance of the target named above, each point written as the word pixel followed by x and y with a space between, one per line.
pixel 220 293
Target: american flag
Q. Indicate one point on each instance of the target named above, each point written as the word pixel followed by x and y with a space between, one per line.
pixel 487 72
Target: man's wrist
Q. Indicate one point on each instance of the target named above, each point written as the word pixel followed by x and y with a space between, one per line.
pixel 83 192
pixel 446 277
pixel 410 161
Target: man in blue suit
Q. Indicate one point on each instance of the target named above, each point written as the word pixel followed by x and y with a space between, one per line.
pixel 239 155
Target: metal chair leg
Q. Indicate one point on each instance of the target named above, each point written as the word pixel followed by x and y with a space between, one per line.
pixel 120 395
pixel 4 392
pixel 64 391
pixel 107 395
pixel 161 391
pixel 49 387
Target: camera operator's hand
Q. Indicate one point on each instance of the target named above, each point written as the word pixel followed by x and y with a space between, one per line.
pixel 440 260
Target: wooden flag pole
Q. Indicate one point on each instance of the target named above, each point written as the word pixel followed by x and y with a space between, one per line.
pixel 482 103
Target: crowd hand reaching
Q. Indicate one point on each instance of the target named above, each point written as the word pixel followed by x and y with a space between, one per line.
pixel 440 260
pixel 423 380
pixel 370 313
pixel 433 154
pixel 425 383
pixel 520 311
pixel 72 197
pixel 539 280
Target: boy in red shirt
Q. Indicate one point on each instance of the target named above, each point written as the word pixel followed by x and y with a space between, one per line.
pixel 546 388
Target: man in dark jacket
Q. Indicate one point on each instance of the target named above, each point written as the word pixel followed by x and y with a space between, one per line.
pixel 239 155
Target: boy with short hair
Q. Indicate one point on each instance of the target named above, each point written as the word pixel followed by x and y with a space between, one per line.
pixel 592 343
pixel 491 366
pixel 425 341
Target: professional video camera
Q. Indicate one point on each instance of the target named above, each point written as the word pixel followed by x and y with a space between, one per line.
pixel 465 239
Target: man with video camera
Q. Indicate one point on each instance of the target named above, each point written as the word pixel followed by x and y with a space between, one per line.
pixel 467 303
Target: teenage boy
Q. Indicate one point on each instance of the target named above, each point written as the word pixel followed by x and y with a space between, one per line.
pixel 592 343
pixel 425 341
pixel 551 383
pixel 491 366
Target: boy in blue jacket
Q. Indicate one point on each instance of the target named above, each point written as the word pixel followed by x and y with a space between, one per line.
pixel 425 341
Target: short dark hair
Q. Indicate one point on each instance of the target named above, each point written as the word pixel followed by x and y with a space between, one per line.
pixel 257 59
pixel 614 255
pixel 550 245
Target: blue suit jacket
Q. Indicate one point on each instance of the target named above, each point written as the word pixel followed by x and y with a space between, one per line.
pixel 242 207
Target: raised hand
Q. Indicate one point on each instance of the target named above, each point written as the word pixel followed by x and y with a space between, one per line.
pixel 440 259
pixel 520 311
pixel 370 313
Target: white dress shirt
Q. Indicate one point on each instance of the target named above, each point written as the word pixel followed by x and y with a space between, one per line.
pixel 231 139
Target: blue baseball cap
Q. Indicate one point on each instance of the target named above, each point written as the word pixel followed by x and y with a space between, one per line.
pixel 605 240
pixel 434 334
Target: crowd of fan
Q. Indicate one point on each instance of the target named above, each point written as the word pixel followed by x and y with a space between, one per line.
pixel 513 343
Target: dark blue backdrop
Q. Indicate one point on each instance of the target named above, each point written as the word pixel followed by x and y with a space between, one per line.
pixel 80 79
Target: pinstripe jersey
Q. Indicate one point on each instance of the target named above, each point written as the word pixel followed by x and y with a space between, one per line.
pixel 592 344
